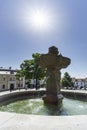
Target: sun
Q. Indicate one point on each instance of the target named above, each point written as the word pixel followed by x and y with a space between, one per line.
pixel 39 19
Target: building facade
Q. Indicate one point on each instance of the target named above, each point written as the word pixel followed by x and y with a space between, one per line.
pixel 8 80
pixel 80 83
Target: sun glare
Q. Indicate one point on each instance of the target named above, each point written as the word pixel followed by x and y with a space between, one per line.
pixel 39 19
pixel 42 19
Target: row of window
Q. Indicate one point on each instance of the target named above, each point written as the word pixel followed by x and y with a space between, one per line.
pixel 5 78
pixel 4 86
pixel 10 79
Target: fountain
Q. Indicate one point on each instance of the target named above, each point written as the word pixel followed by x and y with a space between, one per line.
pixel 53 62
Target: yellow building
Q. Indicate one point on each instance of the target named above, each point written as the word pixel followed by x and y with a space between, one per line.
pixel 8 79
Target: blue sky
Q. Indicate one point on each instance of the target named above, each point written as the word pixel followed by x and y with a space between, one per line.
pixel 66 29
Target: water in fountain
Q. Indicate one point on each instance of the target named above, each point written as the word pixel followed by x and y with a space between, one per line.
pixel 35 106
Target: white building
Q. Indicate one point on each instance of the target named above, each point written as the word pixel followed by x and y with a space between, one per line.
pixel 80 83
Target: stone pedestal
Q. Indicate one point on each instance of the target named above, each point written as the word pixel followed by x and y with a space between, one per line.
pixel 53 62
pixel 53 100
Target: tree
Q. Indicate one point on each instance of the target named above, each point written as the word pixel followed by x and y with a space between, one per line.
pixel 31 70
pixel 67 80
pixel 38 71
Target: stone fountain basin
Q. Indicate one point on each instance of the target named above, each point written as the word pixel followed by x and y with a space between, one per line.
pixel 8 97
pixel 13 121
pixel 34 96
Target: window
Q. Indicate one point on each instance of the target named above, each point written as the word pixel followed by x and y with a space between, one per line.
pixel 3 86
pixel 3 78
pixel 12 78
pixel 21 85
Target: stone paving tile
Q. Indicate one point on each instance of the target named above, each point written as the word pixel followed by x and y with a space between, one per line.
pixel 5 117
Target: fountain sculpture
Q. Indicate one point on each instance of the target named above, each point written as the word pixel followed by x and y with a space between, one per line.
pixel 53 62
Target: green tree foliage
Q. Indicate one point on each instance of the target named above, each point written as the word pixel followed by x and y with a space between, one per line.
pixel 67 80
pixel 31 70
pixel 38 71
